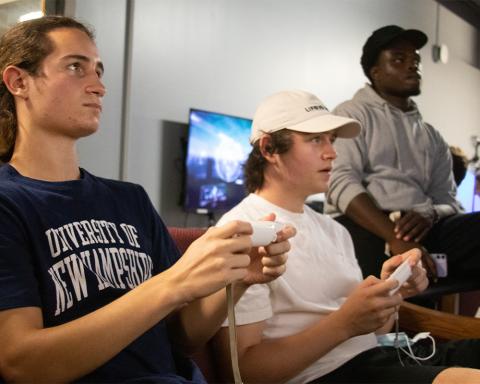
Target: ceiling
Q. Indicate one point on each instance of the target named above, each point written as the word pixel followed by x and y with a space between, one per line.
pixel 469 10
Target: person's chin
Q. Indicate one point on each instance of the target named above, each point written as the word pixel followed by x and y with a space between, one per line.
pixel 87 129
pixel 412 89
pixel 321 187
pixel 415 91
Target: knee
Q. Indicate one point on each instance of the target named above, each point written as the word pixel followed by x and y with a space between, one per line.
pixel 458 375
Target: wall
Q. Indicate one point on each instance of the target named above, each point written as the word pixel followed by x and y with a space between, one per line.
pixel 226 55
pixel 101 152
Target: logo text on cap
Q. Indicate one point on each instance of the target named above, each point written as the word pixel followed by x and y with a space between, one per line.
pixel 316 108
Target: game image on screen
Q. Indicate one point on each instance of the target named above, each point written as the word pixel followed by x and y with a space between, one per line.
pixel 468 192
pixel 218 146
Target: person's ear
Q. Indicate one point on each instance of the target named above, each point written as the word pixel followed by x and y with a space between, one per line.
pixel 266 148
pixel 15 79
pixel 374 72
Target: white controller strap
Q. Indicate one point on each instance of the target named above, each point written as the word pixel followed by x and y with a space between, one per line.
pixel 264 233
pixel 232 334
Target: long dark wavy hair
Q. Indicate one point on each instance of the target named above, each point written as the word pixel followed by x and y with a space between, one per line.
pixel 25 46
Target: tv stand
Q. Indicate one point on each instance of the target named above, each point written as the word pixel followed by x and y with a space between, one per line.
pixel 211 219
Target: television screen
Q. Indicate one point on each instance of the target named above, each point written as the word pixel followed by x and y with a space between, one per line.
pixel 218 146
pixel 468 192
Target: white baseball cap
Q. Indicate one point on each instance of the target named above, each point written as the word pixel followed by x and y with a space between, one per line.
pixel 299 111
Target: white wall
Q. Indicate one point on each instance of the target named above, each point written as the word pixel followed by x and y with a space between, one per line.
pixel 226 55
pixel 101 152
pixel 451 94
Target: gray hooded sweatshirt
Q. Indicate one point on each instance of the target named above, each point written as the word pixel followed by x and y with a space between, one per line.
pixel 402 162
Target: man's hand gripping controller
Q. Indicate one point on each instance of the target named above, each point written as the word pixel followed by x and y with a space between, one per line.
pixel 265 232
pixel 401 274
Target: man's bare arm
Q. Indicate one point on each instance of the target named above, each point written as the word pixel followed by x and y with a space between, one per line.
pixel 363 211
pixel 368 308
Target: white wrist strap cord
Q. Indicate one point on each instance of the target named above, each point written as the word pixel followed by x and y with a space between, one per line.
pixel 410 352
pixel 264 233
pixel 232 334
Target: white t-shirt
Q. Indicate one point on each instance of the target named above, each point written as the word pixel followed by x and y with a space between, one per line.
pixel 321 272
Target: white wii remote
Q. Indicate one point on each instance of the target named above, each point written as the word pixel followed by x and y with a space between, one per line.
pixel 265 232
pixel 401 274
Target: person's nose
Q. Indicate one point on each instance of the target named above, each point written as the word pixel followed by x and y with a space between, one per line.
pixel 96 86
pixel 329 152
pixel 413 65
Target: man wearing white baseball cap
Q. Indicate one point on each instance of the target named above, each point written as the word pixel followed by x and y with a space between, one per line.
pixel 315 323
pixel 299 111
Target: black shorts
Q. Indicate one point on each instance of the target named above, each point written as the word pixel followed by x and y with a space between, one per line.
pixel 382 364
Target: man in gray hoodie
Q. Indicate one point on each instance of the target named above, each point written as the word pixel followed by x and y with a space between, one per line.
pixel 400 164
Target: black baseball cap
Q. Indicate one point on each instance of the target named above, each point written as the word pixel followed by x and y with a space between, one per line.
pixel 382 37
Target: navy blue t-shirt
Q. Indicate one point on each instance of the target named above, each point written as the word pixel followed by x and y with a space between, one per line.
pixel 73 247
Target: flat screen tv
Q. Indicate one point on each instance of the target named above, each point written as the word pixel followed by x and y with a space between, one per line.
pixel 468 192
pixel 218 146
